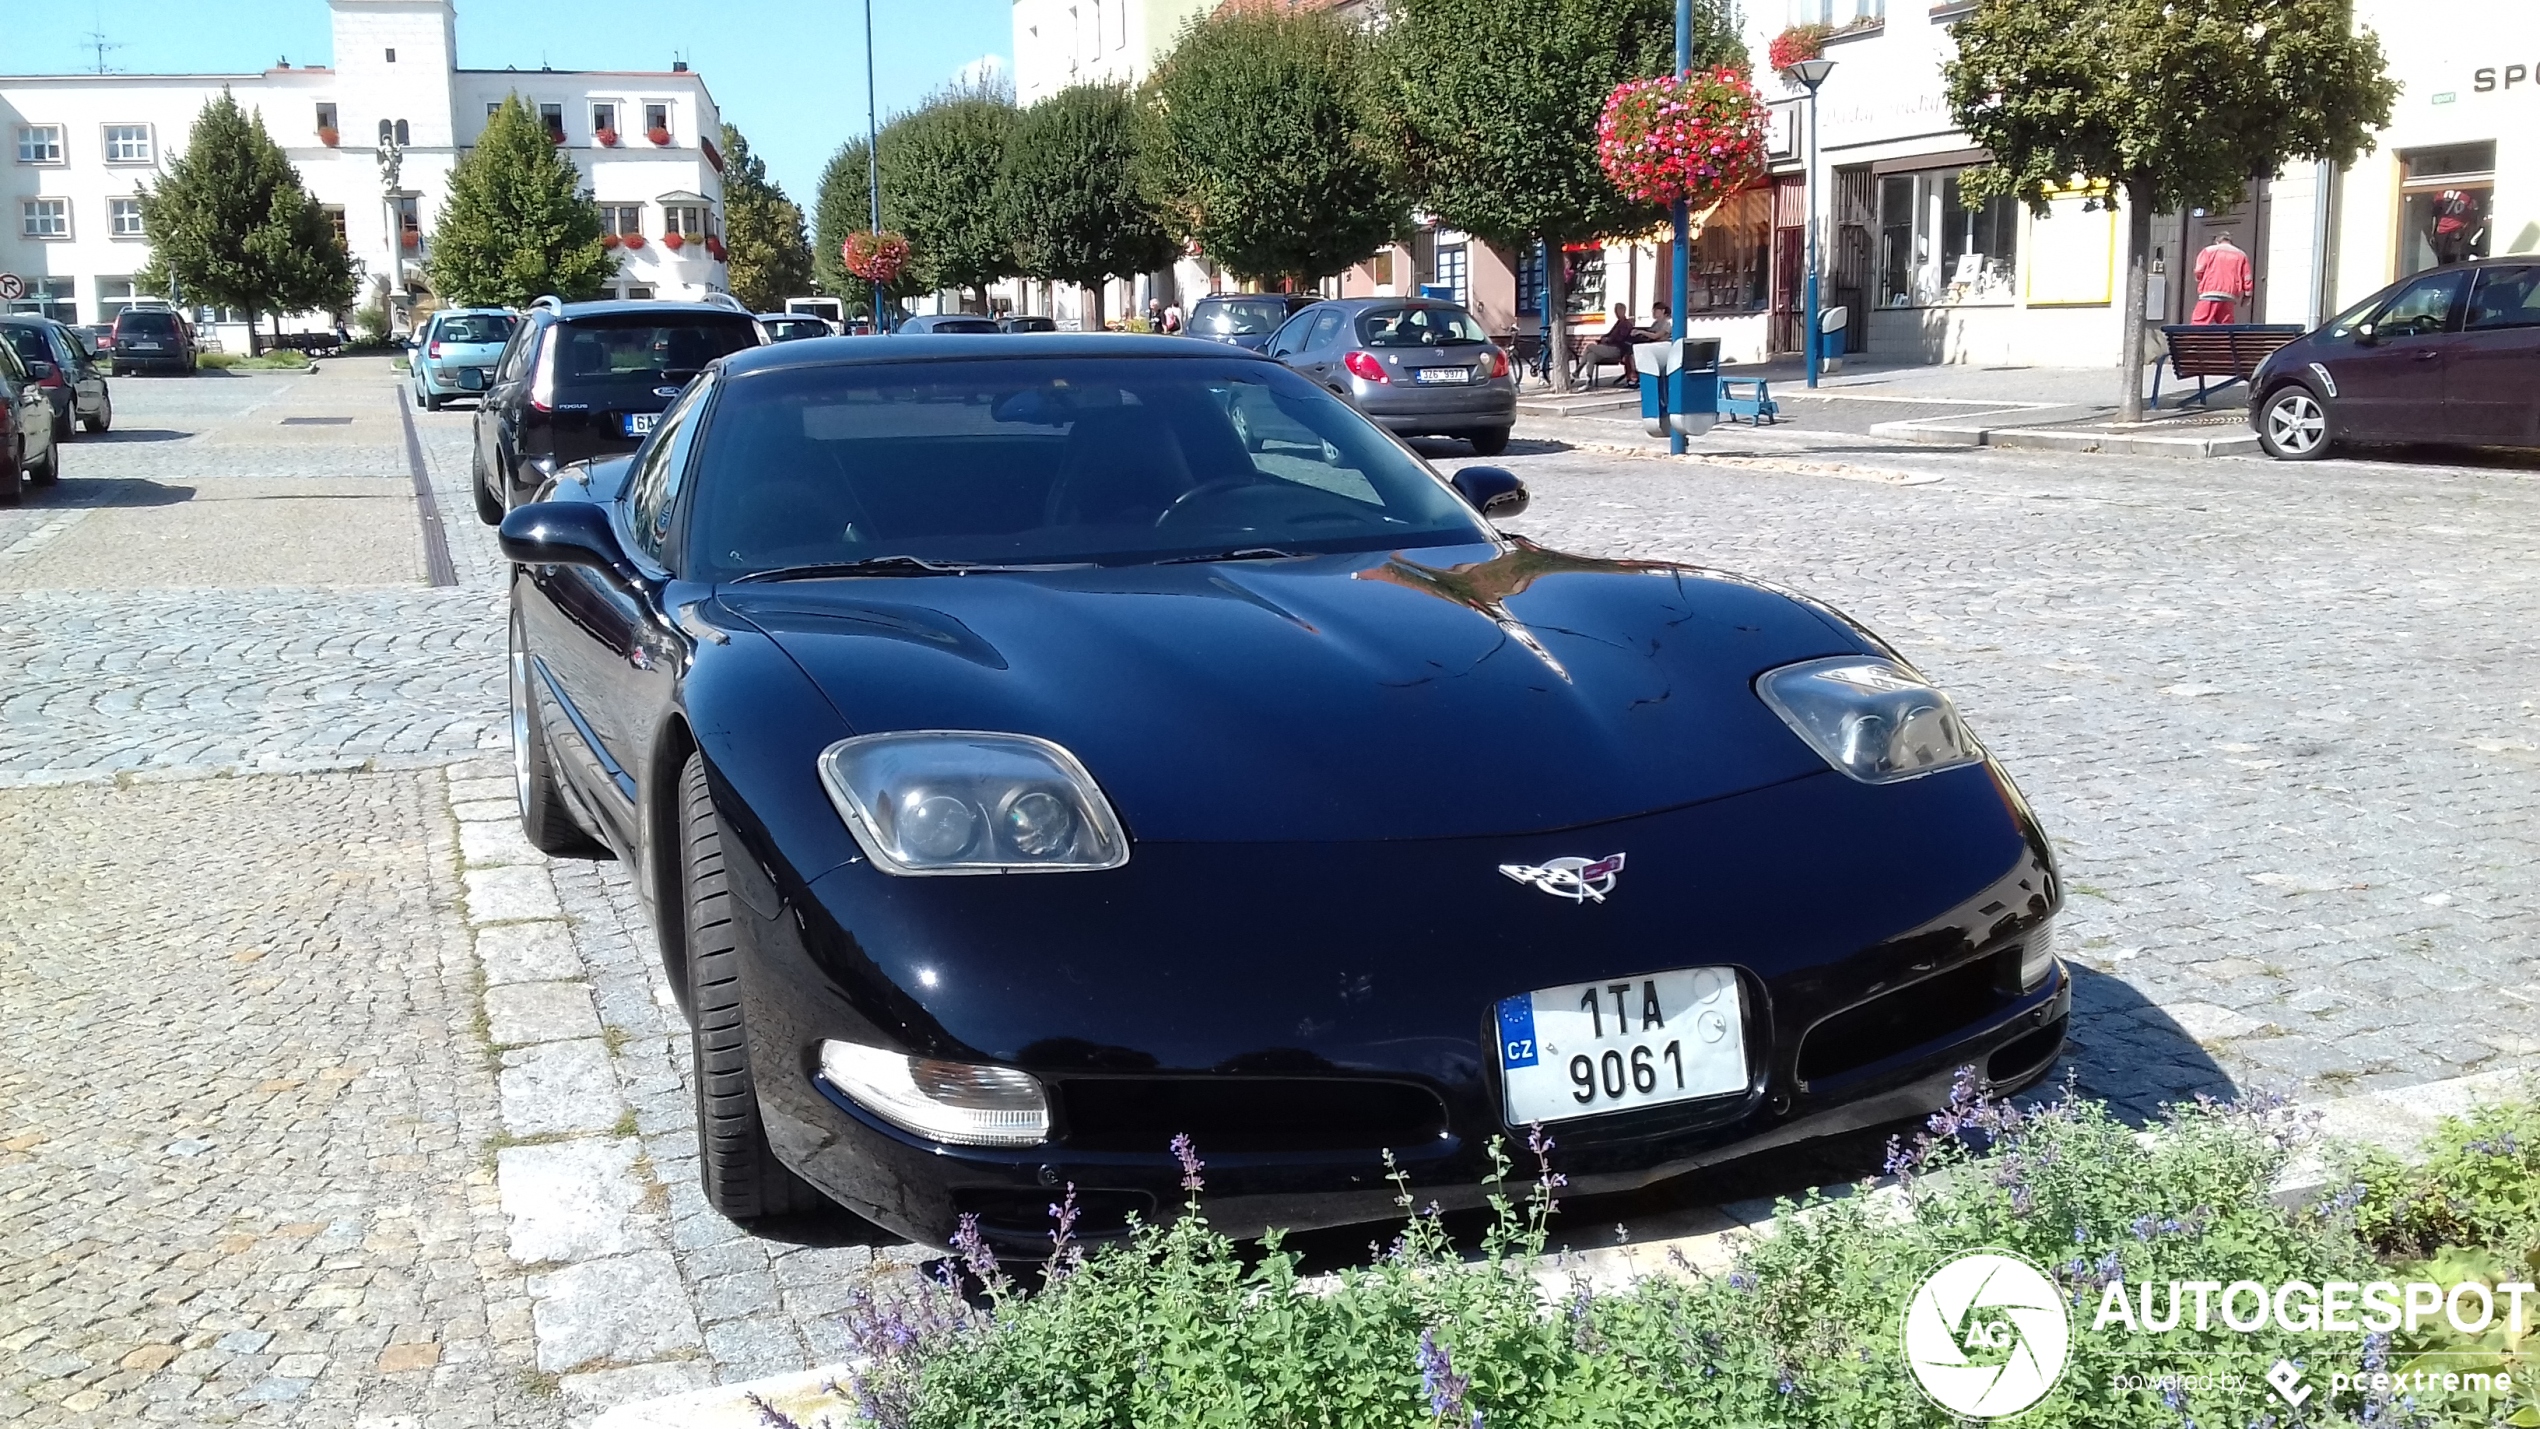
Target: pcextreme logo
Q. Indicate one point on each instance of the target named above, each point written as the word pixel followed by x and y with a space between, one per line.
pixel 1986 1335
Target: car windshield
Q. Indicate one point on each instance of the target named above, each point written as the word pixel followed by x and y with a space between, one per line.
pixel 791 329
pixel 147 324
pixel 1240 318
pixel 1417 327
pixel 1118 461
pixel 962 325
pixel 637 349
pixel 475 328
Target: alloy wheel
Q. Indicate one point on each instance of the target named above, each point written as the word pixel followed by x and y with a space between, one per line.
pixel 2295 422
pixel 518 670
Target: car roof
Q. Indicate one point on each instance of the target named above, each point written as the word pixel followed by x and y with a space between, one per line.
pixel 474 313
pixel 946 346
pixel 1360 305
pixel 1254 298
pixel 640 307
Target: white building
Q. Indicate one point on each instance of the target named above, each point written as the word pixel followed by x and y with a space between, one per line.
pixel 80 146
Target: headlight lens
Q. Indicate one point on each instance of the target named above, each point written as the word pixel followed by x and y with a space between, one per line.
pixel 964 1103
pixel 950 801
pixel 1871 718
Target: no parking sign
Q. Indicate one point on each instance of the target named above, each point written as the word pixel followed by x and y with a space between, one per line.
pixel 12 287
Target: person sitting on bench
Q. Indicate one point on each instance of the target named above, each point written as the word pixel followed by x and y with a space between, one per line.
pixel 1614 345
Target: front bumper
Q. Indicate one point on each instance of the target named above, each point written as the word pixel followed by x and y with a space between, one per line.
pixel 1945 879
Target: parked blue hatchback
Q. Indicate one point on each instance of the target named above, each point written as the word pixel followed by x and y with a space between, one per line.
pixel 454 354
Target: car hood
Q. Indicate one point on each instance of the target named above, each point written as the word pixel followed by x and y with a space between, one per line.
pixel 1431 693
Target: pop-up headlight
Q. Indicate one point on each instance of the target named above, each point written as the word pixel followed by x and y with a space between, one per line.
pixel 1870 717
pixel 953 801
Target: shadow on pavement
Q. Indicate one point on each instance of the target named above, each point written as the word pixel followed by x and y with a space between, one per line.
pixel 75 493
pixel 120 435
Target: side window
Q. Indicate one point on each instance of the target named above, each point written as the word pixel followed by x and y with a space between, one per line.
pixel 1292 337
pixel 515 358
pixel 2504 296
pixel 10 371
pixel 1326 325
pixel 652 489
pixel 2421 308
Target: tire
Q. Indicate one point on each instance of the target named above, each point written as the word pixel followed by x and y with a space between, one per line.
pixel 544 820
pixel 63 428
pixel 434 404
pixel 51 471
pixel 489 507
pixel 1489 443
pixel 13 470
pixel 742 1178
pixel 105 417
pixel 2295 425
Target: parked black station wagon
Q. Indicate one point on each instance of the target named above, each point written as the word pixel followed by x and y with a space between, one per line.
pixel 583 380
pixel 1021 769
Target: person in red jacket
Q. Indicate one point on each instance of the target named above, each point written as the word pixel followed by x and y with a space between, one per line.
pixel 2224 280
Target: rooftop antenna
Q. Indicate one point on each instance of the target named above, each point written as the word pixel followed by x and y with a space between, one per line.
pixel 98 42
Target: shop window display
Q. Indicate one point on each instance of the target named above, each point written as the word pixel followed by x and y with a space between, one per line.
pixel 1934 250
pixel 2444 199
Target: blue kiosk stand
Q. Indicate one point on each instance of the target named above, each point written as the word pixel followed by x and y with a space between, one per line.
pixel 1679 385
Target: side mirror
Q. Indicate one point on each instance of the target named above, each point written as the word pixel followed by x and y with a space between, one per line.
pixel 471 379
pixel 564 533
pixel 40 371
pixel 1493 491
pixel 2364 335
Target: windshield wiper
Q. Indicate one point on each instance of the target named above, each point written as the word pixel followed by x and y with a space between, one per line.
pixel 1244 553
pixel 880 566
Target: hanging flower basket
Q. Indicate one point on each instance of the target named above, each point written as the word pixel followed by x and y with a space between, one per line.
pixel 609 240
pixel 875 257
pixel 660 137
pixel 1692 139
pixel 1799 42
pixel 607 137
pixel 633 241
pixel 674 240
pixel 329 137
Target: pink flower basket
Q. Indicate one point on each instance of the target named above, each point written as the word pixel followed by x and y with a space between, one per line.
pixel 1694 139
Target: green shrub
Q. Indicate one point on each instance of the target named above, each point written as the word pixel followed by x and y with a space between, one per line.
pixel 1176 1328
pixel 2479 1185
pixel 280 360
pixel 217 361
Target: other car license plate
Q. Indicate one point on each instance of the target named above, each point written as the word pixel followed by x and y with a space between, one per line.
pixel 1443 374
pixel 1597 1047
pixel 639 423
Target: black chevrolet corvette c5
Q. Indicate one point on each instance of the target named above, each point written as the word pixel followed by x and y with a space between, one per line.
pixel 1022 769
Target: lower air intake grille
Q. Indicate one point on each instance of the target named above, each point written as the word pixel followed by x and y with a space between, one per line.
pixel 1230 1114
pixel 1895 1021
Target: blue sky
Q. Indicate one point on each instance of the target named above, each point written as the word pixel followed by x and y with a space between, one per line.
pixel 788 73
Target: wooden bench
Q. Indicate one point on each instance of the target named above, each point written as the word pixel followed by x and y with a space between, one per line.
pixel 2231 351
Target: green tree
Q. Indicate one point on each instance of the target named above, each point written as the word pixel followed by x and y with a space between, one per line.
pixel 1493 104
pixel 1259 145
pixel 843 205
pixel 2167 106
pixel 767 256
pixel 1069 192
pixel 939 174
pixel 231 224
pixel 518 224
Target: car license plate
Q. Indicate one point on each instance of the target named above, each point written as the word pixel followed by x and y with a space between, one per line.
pixel 1597 1047
pixel 1442 374
pixel 142 346
pixel 640 423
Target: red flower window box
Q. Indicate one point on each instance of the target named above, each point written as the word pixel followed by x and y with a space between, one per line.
pixel 607 137
pixel 411 239
pixel 674 240
pixel 714 248
pixel 634 240
pixel 330 138
pixel 1799 42
pixel 608 240
pixel 660 137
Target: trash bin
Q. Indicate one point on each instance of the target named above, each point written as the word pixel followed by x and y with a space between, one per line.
pixel 1679 385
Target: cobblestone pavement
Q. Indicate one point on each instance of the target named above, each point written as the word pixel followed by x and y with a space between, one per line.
pixel 332 1102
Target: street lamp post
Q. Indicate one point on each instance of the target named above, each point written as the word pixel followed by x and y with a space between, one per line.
pixel 1680 278
pixel 1811 73
pixel 872 155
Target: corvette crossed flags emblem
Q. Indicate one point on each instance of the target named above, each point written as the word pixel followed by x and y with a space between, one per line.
pixel 1577 879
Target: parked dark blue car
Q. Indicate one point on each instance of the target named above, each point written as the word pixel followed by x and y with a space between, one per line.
pixel 1021 771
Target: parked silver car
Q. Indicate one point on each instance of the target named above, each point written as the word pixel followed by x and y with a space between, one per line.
pixel 1415 367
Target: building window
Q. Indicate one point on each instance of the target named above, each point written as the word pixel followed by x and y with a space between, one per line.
pixel 2444 200
pixel 113 296
pixel 657 119
pixel 603 118
pixel 1933 249
pixel 402 140
pixel 1584 287
pixel 123 218
pixel 621 219
pixel 45 218
pixel 1454 272
pixel 326 117
pixel 40 144
pixel 128 144
pixel 392 56
pixel 1728 266
pixel 688 220
pixel 409 223
pixel 335 221
pixel 49 298
pixel 1530 280
pixel 638 292
pixel 1837 13
pixel 1380 268
pixel 551 118
pixel 493 107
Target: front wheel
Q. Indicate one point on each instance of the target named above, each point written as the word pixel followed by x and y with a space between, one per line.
pixel 2294 424
pixel 742 1178
pixel 544 820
